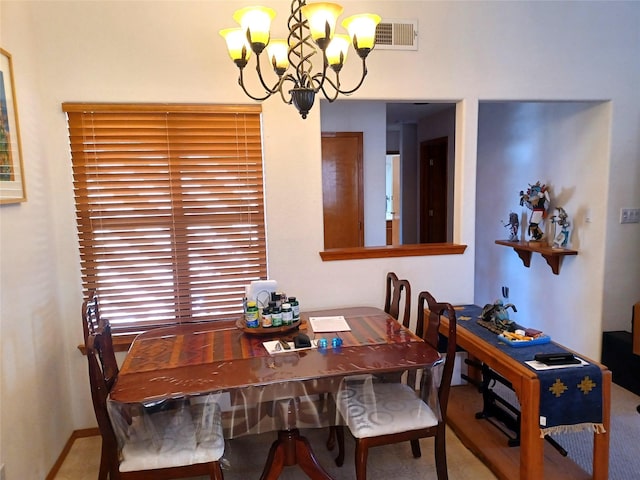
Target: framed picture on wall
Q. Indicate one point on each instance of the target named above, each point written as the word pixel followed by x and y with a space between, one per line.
pixel 12 189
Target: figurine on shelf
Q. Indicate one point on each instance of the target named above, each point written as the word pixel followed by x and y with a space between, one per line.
pixel 561 219
pixel 514 226
pixel 536 199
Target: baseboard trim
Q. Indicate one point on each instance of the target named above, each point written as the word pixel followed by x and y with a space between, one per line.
pixel 85 432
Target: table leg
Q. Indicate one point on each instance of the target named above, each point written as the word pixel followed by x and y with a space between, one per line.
pixel 292 449
pixel 531 445
pixel 601 440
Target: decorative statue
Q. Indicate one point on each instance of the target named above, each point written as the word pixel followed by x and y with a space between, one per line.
pixel 561 219
pixel 514 226
pixel 497 314
pixel 536 199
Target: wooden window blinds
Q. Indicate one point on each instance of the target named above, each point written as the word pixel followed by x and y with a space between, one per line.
pixel 170 209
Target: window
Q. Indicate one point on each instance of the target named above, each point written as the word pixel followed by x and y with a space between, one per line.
pixel 170 209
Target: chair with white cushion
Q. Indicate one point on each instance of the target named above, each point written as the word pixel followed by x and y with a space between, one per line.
pixel 379 413
pixel 176 442
pixel 397 298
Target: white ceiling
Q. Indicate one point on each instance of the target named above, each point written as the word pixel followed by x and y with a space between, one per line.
pixel 411 112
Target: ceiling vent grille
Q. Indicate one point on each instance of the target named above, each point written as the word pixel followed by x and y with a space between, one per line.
pixel 397 35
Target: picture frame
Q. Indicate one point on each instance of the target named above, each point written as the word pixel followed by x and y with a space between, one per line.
pixel 12 184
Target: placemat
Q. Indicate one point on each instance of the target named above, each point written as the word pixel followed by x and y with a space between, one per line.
pixel 570 398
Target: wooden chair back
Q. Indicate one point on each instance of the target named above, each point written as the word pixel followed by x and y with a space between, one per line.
pixel 430 334
pixel 90 314
pixel 398 292
pixel 103 372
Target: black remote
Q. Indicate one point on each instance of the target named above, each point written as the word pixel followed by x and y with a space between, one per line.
pixel 556 358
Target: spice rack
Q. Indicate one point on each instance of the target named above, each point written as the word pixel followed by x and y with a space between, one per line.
pixel 552 255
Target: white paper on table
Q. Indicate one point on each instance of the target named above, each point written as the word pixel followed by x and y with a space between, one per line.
pixel 329 324
pixel 273 349
pixel 543 366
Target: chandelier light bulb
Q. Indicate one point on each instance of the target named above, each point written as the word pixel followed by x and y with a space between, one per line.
pixel 237 45
pixel 362 30
pixel 322 18
pixel 256 22
pixel 337 51
pixel 278 52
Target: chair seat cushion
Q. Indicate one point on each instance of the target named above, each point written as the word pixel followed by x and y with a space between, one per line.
pixel 374 409
pixel 177 437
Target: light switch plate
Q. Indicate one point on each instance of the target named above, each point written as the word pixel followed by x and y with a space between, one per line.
pixel 630 215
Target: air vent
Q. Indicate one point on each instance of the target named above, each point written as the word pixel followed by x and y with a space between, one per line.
pixel 397 35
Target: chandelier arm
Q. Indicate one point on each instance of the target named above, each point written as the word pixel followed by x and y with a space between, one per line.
pixel 287 78
pixel 246 92
pixel 334 85
pixel 301 45
pixel 322 76
pixel 364 74
pixel 269 91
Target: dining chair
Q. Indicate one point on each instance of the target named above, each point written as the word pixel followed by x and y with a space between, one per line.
pixel 173 443
pixel 394 297
pixel 396 292
pixel 379 413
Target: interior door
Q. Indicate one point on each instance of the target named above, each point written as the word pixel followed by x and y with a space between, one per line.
pixel 342 189
pixel 433 190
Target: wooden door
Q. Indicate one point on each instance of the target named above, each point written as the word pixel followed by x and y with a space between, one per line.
pixel 433 190
pixel 342 189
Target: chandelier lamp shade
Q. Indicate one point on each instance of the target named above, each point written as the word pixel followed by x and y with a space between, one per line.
pixel 312 36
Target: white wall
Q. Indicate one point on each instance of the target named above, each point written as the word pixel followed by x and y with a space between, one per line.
pixel 170 52
pixel 565 146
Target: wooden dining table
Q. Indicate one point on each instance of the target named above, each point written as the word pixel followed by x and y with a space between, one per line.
pixel 194 360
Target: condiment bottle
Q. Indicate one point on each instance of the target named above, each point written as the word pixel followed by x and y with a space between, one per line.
pixel 252 315
pixel 287 314
pixel 266 317
pixel 276 317
pixel 295 306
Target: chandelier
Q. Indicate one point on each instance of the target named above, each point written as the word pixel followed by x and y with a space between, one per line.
pixel 311 27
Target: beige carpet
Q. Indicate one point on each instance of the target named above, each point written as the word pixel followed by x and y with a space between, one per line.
pixel 245 456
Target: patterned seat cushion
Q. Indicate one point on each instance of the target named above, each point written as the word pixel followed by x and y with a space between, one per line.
pixel 177 437
pixel 374 409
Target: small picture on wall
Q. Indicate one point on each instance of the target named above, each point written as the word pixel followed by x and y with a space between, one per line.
pixel 12 189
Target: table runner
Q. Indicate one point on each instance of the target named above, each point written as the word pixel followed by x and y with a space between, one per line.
pixel 211 344
pixel 570 397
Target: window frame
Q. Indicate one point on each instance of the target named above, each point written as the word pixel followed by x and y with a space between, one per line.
pixel 186 160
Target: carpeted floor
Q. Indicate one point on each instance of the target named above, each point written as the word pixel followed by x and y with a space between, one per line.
pixel 244 457
pixel 624 443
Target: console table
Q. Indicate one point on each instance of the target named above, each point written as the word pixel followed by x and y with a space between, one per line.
pixel 533 463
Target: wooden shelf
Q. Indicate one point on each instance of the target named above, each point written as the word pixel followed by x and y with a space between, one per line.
pixel 552 255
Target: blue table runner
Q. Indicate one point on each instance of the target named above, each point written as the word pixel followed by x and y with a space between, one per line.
pixel 570 397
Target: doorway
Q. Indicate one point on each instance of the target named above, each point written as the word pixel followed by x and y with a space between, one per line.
pixel 433 190
pixel 342 189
